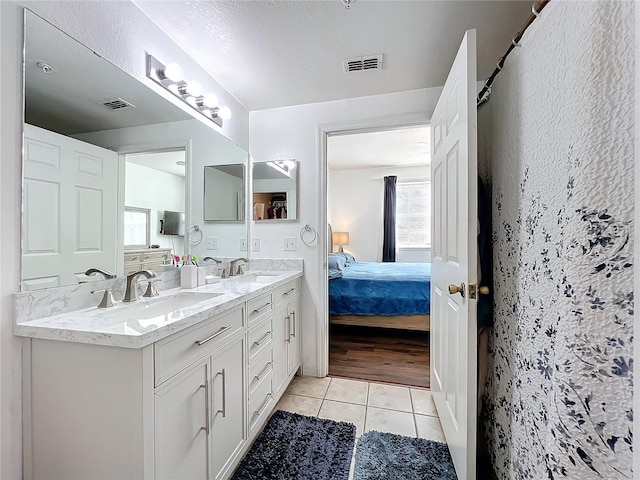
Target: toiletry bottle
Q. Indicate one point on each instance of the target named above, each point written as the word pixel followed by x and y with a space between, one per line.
pixel 188 275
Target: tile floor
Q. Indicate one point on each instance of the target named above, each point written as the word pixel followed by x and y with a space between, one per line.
pixel 370 406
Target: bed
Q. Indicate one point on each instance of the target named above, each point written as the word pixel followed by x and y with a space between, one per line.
pixel 385 295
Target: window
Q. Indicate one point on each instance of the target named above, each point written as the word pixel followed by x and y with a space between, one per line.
pixel 413 207
pixel 136 227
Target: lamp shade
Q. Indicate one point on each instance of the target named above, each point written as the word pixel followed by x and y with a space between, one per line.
pixel 341 238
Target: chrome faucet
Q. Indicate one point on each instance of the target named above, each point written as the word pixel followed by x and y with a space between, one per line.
pixel 236 266
pixel 107 274
pixel 211 258
pixel 131 293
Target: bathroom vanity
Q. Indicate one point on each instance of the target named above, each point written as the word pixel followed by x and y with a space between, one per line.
pixel 172 387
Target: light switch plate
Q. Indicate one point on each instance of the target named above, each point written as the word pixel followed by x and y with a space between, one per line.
pixel 255 244
pixel 289 244
pixel 243 244
pixel 212 243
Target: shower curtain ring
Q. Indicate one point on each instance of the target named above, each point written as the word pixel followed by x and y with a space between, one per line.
pixel 534 11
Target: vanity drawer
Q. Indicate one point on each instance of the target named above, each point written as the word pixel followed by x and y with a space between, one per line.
pixel 283 294
pixel 259 369
pixel 260 335
pixel 259 307
pixel 260 404
pixel 178 351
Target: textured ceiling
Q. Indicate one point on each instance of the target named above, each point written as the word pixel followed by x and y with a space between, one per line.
pixel 386 148
pixel 277 53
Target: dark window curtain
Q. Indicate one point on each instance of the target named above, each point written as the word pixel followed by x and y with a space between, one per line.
pixel 389 240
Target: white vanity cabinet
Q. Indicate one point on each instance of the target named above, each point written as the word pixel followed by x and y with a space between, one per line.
pixel 181 425
pixel 204 406
pixel 286 334
pixel 186 406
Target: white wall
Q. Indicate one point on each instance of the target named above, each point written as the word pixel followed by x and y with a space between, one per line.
pixel 121 33
pixel 158 191
pixel 223 189
pixel 355 205
pixel 293 132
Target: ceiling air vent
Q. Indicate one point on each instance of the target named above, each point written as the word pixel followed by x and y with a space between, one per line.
pixel 356 64
pixel 115 104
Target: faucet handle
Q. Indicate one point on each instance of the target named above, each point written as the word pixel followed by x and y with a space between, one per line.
pixel 223 272
pixel 151 288
pixel 107 298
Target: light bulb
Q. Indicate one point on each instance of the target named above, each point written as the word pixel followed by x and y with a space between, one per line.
pixel 193 101
pixel 194 88
pixel 173 72
pixel 224 113
pixel 210 99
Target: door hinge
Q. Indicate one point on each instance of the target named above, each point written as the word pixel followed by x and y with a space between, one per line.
pixel 473 291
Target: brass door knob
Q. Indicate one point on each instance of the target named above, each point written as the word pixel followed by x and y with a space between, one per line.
pixel 453 289
pixel 484 290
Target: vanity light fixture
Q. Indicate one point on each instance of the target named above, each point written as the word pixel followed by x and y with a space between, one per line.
pixel 171 77
pixel 283 166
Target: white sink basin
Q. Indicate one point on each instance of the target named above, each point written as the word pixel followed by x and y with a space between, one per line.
pixel 158 306
pixel 256 277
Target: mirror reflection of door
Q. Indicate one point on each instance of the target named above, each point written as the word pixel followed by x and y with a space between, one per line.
pixel 155 182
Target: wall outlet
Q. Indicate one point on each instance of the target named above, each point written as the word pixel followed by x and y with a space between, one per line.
pixel 289 244
pixel 212 243
pixel 243 244
pixel 255 244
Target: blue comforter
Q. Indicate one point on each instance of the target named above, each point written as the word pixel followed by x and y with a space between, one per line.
pixel 381 289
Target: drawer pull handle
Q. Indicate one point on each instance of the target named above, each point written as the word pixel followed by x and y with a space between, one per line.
pixel 287 293
pixel 258 310
pixel 258 412
pixel 267 335
pixel 206 406
pixel 292 316
pixel 264 372
pixel 219 332
pixel 288 325
pixel 223 410
pixel 133 259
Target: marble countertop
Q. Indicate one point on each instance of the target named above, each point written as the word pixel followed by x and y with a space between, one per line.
pixel 109 326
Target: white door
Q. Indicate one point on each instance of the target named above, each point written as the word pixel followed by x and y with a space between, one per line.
pixel 293 353
pixel 454 233
pixel 181 430
pixel 227 401
pixel 62 174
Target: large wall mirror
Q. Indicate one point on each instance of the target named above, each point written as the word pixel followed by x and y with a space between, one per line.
pixel 275 190
pixel 98 142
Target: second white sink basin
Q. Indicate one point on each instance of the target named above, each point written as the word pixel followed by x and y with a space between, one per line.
pixel 256 277
pixel 155 307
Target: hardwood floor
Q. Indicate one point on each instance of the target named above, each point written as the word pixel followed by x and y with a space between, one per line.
pixel 379 354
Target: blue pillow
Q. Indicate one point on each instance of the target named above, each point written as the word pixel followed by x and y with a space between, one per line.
pixel 349 259
pixel 336 262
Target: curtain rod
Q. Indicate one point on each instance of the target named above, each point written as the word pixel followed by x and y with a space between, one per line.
pixel 536 8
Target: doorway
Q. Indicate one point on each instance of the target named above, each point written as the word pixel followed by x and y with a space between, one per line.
pixel 380 333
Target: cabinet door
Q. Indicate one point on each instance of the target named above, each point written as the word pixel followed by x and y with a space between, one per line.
pixel 228 402
pixel 280 346
pixel 295 336
pixel 181 432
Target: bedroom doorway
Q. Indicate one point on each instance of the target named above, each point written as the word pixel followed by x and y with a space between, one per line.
pixel 380 333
